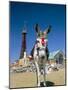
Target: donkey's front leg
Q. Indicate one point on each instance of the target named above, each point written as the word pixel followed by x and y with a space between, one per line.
pixel 44 75
pixel 37 73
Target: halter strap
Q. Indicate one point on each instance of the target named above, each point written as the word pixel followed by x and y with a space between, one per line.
pixel 43 41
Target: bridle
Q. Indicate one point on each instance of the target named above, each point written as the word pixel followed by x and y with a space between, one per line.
pixel 40 46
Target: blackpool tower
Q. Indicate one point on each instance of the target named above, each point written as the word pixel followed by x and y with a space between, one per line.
pixel 23 46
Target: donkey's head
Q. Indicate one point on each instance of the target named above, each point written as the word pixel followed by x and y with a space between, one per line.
pixel 40 46
pixel 41 41
pixel 42 35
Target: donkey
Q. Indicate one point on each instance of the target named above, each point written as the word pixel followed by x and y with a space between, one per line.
pixel 40 54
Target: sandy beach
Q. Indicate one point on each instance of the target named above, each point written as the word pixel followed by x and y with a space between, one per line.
pixel 28 79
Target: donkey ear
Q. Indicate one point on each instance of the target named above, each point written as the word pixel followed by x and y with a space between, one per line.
pixel 48 29
pixel 37 28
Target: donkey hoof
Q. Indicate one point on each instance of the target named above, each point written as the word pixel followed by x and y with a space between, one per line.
pixel 42 84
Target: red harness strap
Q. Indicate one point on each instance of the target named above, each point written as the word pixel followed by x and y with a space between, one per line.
pixel 42 41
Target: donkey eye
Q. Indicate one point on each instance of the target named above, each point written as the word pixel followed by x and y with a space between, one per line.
pixel 37 41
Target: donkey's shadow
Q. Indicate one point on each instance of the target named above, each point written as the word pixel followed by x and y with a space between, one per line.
pixel 48 84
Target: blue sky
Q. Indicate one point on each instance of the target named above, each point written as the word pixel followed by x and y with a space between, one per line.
pixel 44 15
